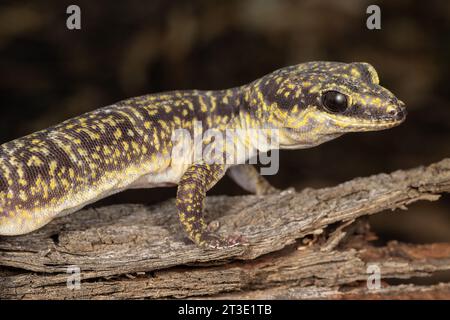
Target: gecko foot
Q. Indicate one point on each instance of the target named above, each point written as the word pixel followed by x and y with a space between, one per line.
pixel 266 189
pixel 209 240
pixel 213 226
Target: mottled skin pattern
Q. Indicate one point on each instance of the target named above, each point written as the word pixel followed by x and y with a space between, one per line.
pixel 59 170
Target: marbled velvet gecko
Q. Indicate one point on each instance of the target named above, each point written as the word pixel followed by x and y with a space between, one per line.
pixel 129 144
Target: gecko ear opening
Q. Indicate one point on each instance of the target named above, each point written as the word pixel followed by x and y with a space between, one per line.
pixel 365 71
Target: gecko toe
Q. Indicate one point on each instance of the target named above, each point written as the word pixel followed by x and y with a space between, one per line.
pixel 213 241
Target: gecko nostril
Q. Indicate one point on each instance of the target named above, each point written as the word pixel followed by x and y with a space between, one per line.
pixel 392 112
pixel 396 112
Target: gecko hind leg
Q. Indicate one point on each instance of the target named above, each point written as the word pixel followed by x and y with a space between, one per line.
pixel 192 188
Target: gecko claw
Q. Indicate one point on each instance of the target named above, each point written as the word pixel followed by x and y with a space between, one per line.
pixel 213 241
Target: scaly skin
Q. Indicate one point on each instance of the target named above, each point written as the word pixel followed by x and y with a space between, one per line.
pixel 61 169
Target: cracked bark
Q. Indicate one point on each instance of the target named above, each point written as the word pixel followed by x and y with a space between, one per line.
pixel 308 244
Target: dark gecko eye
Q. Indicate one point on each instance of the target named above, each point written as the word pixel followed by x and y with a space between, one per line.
pixel 334 101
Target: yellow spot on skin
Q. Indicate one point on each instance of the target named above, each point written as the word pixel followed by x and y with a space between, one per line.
pixel 53 184
pixel 315 89
pixel 82 152
pixel 163 124
pixel 20 172
pixel 177 120
pixel 118 133
pixel 23 196
pixel 95 156
pixel 65 183
pixel 34 161
pixel 93 165
pixel 91 134
pixel 106 150
pixel 53 165
pixel 45 191
pixel 203 106
pixel 110 121
pixel 355 72
pixel 225 99
pixel 377 101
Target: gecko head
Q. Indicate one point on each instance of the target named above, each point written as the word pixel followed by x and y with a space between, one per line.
pixel 318 101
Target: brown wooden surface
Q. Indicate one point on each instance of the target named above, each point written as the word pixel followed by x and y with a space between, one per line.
pixel 310 244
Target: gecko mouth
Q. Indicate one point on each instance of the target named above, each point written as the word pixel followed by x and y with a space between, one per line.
pixel 394 117
pixel 379 122
pixel 357 124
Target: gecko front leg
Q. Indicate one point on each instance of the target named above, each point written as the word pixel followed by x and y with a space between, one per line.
pixel 246 176
pixel 192 188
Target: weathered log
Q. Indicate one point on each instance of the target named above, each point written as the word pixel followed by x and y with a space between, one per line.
pixel 300 245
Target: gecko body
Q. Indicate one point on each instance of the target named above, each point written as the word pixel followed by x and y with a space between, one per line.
pixel 130 144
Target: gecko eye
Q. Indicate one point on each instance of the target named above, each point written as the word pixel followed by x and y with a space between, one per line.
pixel 334 101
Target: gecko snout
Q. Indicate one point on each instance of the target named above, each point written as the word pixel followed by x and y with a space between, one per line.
pixel 397 111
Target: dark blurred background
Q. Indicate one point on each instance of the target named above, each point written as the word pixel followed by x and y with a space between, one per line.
pixel 130 48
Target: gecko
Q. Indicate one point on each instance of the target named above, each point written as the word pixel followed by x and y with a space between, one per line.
pixel 129 144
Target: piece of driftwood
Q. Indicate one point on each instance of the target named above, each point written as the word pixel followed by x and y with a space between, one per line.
pixel 310 244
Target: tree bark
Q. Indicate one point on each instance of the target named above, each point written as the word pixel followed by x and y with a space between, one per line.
pixel 308 244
